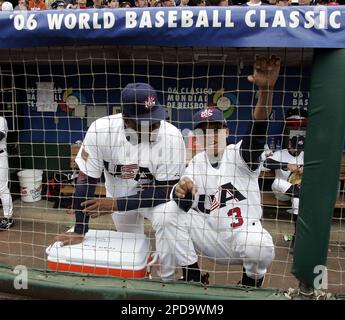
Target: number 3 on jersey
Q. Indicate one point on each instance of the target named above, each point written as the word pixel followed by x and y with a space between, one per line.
pixel 237 219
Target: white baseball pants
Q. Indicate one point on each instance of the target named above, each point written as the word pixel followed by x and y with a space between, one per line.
pixel 180 236
pixel 5 195
pixel 279 188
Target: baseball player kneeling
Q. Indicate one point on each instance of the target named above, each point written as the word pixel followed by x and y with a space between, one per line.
pixel 216 205
pixel 142 157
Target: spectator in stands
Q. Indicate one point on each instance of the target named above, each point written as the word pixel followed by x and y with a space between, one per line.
pixel 98 4
pixel 79 4
pixel 168 3
pixel 113 4
pixel 253 3
pixel 197 3
pixel 288 163
pixel 305 2
pixel 224 3
pixel 157 3
pixel 6 6
pixel 37 5
pixel 283 3
pixel 184 3
pixel 328 3
pixel 49 4
pixel 125 4
pixel 21 5
pixel 70 4
pixel 58 5
pixel 141 3
pixel 219 3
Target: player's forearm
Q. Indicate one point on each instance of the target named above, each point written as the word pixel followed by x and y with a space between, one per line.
pixel 275 165
pixel 253 143
pixel 85 188
pixel 263 106
pixel 148 198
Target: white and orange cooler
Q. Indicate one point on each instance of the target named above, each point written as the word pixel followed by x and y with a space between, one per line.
pixel 104 252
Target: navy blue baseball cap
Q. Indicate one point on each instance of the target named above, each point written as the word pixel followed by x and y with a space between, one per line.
pixel 140 102
pixel 209 115
pixel 297 142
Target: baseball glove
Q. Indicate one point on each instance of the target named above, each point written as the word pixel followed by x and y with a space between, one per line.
pixel 295 178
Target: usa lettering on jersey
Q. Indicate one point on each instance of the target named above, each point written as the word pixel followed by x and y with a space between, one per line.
pixel 227 192
pixel 129 171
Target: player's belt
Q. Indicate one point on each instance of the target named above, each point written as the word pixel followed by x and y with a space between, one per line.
pixel 1 151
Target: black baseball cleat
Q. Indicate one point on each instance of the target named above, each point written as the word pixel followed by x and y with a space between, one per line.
pixel 203 279
pixel 6 223
pixel 192 273
pixel 250 282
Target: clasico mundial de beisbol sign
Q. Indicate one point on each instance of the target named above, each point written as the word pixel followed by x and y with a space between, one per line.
pixel 263 26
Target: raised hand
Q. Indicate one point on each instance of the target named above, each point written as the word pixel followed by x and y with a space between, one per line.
pixel 266 72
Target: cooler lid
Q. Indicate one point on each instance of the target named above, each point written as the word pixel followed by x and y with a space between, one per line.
pixel 105 248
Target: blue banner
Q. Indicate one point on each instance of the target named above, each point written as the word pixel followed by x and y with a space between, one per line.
pixel 264 26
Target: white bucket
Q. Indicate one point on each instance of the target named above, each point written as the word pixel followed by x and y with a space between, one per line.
pixel 30 182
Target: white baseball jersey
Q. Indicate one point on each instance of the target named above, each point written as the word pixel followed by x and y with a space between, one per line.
pixel 285 156
pixel 4 129
pixel 230 195
pixel 128 166
pixel 223 224
pixel 5 194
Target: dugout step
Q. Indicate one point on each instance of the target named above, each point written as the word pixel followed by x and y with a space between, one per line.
pixel 269 200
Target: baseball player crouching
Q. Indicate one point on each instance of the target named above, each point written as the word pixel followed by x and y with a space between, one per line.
pixel 216 205
pixel 142 157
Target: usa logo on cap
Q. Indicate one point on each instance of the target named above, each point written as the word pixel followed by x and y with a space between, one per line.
pixel 206 114
pixel 150 102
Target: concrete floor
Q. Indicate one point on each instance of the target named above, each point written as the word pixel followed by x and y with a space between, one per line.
pixel 38 223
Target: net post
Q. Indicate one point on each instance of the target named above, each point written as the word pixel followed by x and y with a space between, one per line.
pixel 322 166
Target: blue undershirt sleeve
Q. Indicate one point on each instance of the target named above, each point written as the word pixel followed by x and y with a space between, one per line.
pixel 150 197
pixel 274 165
pixel 84 189
pixel 253 143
